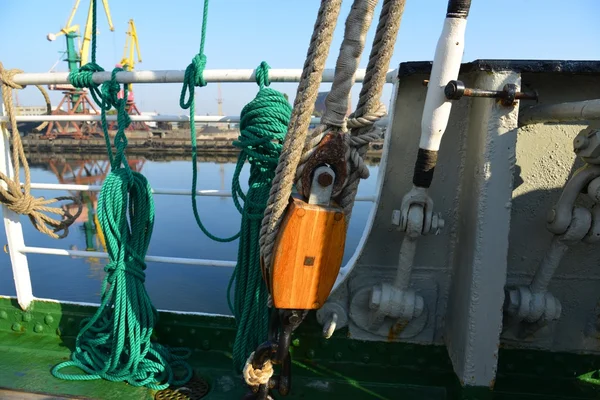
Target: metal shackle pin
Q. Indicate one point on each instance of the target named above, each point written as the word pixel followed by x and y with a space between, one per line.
pixel 455 90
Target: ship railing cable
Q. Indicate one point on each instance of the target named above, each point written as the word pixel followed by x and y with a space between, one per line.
pixel 16 196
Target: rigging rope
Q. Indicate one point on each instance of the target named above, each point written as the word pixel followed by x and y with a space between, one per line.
pixel 304 105
pixel 263 126
pixel 194 77
pixel 115 343
pixel 17 197
pixel 370 109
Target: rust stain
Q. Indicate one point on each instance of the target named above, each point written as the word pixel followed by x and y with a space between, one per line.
pixel 396 329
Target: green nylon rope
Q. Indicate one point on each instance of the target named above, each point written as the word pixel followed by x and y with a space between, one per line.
pixel 115 343
pixel 263 126
pixel 194 77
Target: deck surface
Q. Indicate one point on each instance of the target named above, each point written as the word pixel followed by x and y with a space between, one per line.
pixel 32 342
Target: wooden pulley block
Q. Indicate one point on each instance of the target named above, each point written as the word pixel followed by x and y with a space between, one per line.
pixel 308 255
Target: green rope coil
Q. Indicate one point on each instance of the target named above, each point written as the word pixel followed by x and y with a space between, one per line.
pixel 115 343
pixel 263 126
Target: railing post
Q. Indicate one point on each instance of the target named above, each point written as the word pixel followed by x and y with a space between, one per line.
pixel 12 226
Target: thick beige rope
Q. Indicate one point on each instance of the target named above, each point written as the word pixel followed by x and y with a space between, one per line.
pixel 336 104
pixel 370 109
pixel 304 105
pixel 18 198
pixel 255 377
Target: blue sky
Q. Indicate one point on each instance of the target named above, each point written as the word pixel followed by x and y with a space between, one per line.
pixel 242 33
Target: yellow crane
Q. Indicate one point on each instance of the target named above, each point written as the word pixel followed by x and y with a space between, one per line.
pixel 72 31
pixel 132 48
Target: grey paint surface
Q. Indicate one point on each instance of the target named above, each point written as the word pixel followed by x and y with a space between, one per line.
pixel 465 266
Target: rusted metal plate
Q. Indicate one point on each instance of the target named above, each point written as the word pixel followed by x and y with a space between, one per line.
pixel 330 151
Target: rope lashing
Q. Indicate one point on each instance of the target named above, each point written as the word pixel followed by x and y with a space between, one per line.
pixel 369 106
pixel 263 126
pixel 336 104
pixel 115 343
pixel 304 105
pixel 194 76
pixel 17 197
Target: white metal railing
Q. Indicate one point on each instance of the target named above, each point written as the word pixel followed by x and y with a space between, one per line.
pixel 14 231
pixel 229 119
pixel 215 75
pixel 172 192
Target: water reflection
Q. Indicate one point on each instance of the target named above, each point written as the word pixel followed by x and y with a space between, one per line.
pixel 187 288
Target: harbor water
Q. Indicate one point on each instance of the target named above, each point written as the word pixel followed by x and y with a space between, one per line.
pixel 171 286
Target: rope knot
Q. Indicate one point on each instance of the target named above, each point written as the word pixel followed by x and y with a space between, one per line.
pixel 23 203
pixel 198 64
pixel 7 77
pixel 258 376
pixel 262 75
pixel 83 77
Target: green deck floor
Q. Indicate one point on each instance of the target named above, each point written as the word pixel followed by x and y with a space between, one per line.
pixel 32 342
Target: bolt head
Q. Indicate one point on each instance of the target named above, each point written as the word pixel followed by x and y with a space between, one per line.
pixel 325 179
pixel 376 295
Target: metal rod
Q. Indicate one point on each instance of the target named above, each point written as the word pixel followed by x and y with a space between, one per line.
pixel 139 118
pixel 159 259
pixel 175 76
pixel 549 264
pixel 562 112
pixel 174 192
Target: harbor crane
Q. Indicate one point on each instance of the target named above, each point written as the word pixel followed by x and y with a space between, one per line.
pixel 76 100
pixel 131 49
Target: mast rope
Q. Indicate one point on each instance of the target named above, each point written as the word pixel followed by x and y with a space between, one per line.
pixel 16 196
pixel 263 126
pixel 304 105
pixel 336 104
pixel 369 108
pixel 115 343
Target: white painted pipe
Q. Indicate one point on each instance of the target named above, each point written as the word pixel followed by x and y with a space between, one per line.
pixel 445 68
pixel 159 259
pixel 446 65
pixel 173 192
pixel 157 118
pixel 175 76
pixel 137 118
pixel 562 112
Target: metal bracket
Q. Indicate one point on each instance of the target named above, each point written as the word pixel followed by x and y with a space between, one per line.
pixel 455 90
pixel 321 188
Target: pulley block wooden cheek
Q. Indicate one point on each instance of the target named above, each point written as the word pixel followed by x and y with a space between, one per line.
pixel 308 255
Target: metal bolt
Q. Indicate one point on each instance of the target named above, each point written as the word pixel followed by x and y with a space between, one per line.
pixel 455 90
pixel 310 353
pixel 38 328
pixel 48 319
pixel 16 327
pixel 376 295
pixel 205 344
pixel 3 315
pixel 325 179
pixel 27 317
pixel 337 356
pixel 366 359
